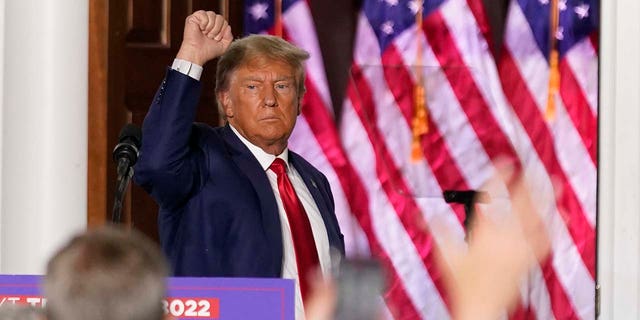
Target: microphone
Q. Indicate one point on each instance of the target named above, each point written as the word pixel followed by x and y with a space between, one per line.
pixel 125 154
pixel 467 198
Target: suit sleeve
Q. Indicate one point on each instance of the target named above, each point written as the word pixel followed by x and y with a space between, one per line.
pixel 334 219
pixel 170 163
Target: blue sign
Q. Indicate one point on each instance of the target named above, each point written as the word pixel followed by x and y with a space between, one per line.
pixel 189 298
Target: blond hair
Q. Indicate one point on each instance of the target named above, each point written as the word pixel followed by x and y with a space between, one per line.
pixel 260 46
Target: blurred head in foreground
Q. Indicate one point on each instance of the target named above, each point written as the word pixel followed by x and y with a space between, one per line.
pixel 20 312
pixel 107 273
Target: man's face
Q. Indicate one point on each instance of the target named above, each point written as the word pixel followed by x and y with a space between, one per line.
pixel 262 103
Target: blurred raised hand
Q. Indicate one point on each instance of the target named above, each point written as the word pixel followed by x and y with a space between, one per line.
pixel 483 279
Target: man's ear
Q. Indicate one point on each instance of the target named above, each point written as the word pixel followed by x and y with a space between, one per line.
pixel 299 106
pixel 225 101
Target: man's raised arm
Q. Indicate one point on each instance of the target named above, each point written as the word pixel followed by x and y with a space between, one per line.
pixel 168 168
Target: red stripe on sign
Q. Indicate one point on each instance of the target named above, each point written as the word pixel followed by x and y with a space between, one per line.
pixel 192 307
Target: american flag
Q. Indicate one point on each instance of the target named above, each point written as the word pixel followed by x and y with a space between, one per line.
pixel 563 145
pixel 404 50
pixel 435 56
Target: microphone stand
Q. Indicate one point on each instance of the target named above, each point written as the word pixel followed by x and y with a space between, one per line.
pixel 126 154
pixel 125 173
pixel 466 198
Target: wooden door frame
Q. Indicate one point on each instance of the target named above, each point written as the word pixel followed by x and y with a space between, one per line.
pixel 106 51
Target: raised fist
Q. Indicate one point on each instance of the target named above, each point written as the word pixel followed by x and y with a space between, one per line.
pixel 207 35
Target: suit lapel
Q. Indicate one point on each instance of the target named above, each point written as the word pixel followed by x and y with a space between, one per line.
pixel 312 185
pixel 250 166
pixel 319 197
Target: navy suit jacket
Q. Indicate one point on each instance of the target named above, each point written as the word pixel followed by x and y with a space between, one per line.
pixel 218 214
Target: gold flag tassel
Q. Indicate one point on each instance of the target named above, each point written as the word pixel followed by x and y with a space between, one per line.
pixel 554 86
pixel 419 122
pixel 554 73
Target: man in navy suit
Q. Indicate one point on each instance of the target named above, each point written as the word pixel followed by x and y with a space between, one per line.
pixel 228 206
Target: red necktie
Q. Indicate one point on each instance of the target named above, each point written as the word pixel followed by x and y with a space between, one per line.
pixel 303 243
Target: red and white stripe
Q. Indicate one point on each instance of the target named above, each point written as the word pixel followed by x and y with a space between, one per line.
pixel 472 124
pixel 565 153
pixel 377 117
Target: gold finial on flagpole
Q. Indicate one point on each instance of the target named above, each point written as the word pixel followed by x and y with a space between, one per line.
pixel 277 26
pixel 419 122
pixel 554 73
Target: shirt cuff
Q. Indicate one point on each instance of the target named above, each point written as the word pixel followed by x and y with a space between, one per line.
pixel 188 68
